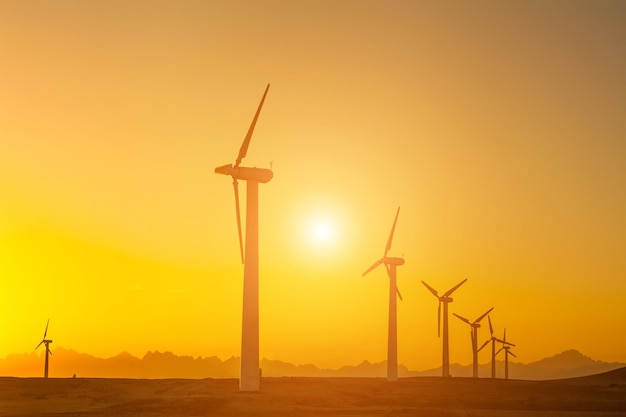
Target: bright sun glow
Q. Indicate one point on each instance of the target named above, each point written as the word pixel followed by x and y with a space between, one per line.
pixel 322 232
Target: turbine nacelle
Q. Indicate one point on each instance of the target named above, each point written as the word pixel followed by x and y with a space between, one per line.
pixel 393 261
pixel 261 175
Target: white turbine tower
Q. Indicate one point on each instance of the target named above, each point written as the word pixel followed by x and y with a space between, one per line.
pixel 493 341
pixel 46 342
pixel 474 335
pixel 445 299
pixel 392 335
pixel 250 373
pixel 506 346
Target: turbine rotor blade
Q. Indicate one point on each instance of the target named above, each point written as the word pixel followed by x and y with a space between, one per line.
pixel 236 188
pixel 46 331
pixel 463 318
pixel 38 345
pixel 490 326
pixel 393 229
pixel 504 334
pixel 399 295
pixel 246 142
pixel 511 353
pixel 451 290
pixel 483 316
pixel 431 289
pixel 484 344
pixel 378 262
pixel 499 350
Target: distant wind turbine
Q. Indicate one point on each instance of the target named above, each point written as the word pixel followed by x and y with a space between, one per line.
pixel 392 335
pixel 493 341
pixel 46 342
pixel 445 299
pixel 474 335
pixel 250 373
pixel 506 346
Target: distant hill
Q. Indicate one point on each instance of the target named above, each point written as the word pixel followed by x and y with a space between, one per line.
pixel 66 363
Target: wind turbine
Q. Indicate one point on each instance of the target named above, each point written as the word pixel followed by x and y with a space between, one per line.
pixel 392 335
pixel 507 352
pixel 445 299
pixel 493 341
pixel 474 335
pixel 46 342
pixel 250 372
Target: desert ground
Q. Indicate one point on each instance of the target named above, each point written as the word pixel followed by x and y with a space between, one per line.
pixel 599 395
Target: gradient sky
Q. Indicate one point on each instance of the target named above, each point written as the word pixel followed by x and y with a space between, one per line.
pixel 497 127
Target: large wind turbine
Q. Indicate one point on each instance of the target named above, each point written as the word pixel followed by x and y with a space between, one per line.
pixel 445 299
pixel 46 342
pixel 493 341
pixel 474 334
pixel 392 336
pixel 250 373
pixel 506 346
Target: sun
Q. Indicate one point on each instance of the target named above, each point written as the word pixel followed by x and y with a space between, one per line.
pixel 322 231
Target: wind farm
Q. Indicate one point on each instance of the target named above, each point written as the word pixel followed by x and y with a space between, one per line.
pixel 126 129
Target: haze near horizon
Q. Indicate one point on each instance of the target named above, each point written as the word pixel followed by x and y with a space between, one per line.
pixel 496 127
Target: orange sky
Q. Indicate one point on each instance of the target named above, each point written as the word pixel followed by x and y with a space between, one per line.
pixel 498 127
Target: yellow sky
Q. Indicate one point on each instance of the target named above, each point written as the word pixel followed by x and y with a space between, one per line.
pixel 498 127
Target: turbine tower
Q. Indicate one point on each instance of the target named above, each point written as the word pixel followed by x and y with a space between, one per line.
pixel 250 372
pixel 493 341
pixel 392 336
pixel 506 346
pixel 445 299
pixel 474 335
pixel 46 342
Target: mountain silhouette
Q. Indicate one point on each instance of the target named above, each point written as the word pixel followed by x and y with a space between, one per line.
pixel 66 363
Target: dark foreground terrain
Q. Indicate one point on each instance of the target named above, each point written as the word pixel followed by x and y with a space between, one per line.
pixel 599 395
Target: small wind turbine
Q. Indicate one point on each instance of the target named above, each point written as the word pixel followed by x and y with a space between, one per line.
pixel 250 372
pixel 474 335
pixel 445 299
pixel 506 346
pixel 493 341
pixel 46 342
pixel 392 336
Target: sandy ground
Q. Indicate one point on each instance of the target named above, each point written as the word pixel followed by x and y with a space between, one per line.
pixel 436 397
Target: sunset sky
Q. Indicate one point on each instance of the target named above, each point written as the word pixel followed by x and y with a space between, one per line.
pixel 499 128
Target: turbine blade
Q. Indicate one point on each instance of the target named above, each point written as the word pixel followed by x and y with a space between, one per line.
pixel 483 316
pixel 451 290
pixel 439 320
pixel 246 142
pixel 490 326
pixel 503 342
pixel 236 188
pixel 499 350
pixel 484 344
pixel 49 351
pixel 463 318
pixel 511 353
pixel 431 289
pixel 399 295
pixel 38 345
pixel 504 334
pixel 393 229
pixel 378 262
pixel 46 331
